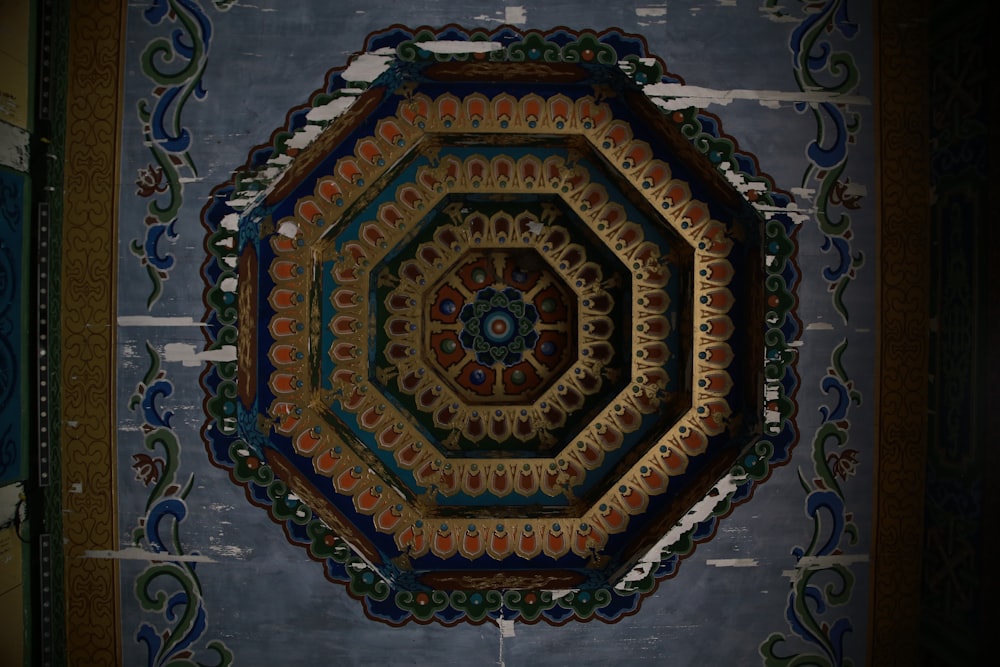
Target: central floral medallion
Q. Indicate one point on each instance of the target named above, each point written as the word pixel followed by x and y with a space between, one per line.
pixel 498 327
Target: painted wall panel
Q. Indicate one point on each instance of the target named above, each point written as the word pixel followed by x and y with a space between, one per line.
pixel 244 67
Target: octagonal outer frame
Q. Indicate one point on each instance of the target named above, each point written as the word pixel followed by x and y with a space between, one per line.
pixel 241 294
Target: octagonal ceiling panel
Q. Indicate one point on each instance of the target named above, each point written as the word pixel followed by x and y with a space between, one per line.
pixel 502 324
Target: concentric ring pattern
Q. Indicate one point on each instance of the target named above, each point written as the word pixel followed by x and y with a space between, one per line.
pixel 499 327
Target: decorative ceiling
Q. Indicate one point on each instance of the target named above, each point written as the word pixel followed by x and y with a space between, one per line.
pixel 502 321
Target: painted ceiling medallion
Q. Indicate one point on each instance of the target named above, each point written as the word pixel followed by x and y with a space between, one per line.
pixel 500 323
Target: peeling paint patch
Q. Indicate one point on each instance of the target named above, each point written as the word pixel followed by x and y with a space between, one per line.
pixel 852 189
pixel 732 562
pixel 230 222
pixel 516 15
pixel 325 113
pixel 9 497
pixel 153 321
pixel 561 593
pixel 674 96
pixel 135 553
pixel 287 229
pixel 188 355
pixel 300 139
pixel 456 46
pixel 796 214
pixel 14 152
pixel 804 193
pixel 652 10
pixel 368 66
pixel 700 512
pixel 743 186
pixel 506 626
pixel 819 326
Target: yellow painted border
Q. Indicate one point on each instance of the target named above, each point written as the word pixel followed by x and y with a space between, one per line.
pixel 86 384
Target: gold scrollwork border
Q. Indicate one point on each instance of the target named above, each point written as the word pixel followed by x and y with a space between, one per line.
pixel 903 249
pixel 87 344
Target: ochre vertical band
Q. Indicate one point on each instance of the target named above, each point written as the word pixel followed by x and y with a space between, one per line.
pixel 903 174
pixel 87 379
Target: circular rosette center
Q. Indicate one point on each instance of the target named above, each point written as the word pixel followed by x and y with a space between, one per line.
pixel 498 327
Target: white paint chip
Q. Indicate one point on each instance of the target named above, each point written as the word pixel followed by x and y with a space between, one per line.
pixel 188 355
pixel 299 140
pixel 700 512
pixel 853 189
pixel 333 109
pixel 819 326
pixel 732 562
pixel 506 626
pixel 230 222
pixel 152 321
pixel 516 15
pixel 653 10
pixel 368 66
pixel 673 96
pixel 14 147
pixel 9 497
pixel 288 229
pixel 483 18
pixel 456 46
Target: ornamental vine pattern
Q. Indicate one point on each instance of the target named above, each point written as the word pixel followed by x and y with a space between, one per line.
pixel 168 589
pixel 175 66
pixel 821 587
